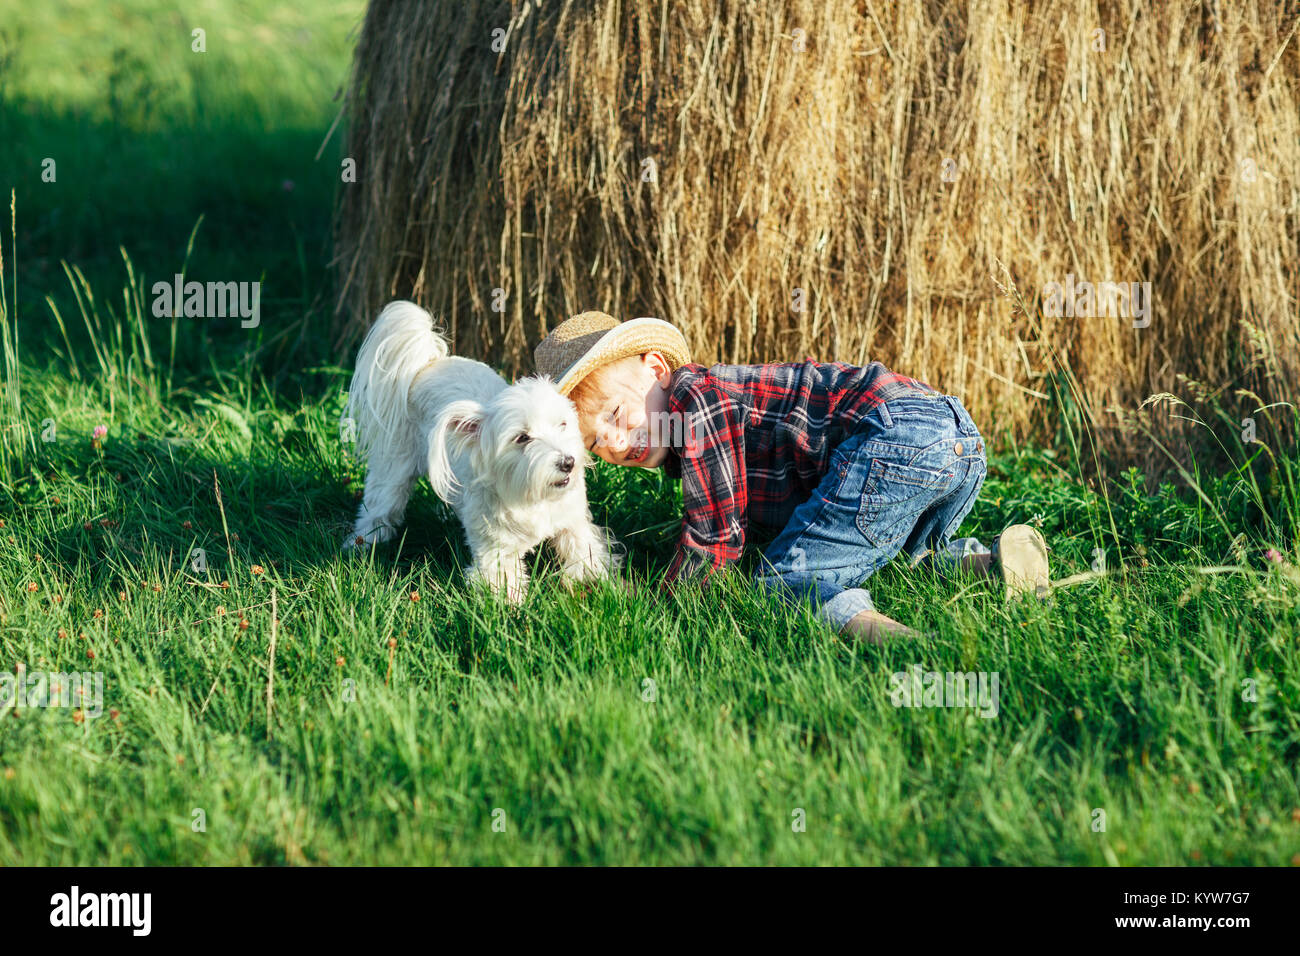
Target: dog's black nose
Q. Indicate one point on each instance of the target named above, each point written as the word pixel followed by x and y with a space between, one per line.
pixel 566 464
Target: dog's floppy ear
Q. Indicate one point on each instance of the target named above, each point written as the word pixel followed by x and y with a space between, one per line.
pixel 466 424
pixel 457 431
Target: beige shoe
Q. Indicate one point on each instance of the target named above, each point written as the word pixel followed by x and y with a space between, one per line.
pixel 1022 561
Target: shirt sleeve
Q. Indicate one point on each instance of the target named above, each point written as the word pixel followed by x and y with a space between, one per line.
pixel 713 484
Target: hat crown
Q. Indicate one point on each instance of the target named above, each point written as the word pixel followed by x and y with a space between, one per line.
pixel 582 324
pixel 570 340
pixel 581 344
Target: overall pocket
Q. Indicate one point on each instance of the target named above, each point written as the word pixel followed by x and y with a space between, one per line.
pixel 894 497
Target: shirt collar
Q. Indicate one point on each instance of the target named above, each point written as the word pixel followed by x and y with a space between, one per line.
pixel 680 380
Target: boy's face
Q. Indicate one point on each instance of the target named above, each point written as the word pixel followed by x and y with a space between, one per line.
pixel 629 399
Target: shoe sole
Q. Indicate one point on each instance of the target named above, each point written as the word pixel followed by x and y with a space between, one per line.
pixel 1022 560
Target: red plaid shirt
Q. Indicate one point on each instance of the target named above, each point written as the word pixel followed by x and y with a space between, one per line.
pixel 755 441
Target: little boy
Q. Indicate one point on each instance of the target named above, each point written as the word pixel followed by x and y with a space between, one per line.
pixel 855 464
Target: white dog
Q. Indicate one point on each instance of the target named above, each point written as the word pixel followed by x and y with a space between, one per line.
pixel 508 459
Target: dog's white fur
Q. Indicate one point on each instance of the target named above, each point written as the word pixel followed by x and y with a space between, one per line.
pixel 419 410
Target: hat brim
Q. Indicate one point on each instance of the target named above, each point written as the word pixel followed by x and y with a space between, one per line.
pixel 632 337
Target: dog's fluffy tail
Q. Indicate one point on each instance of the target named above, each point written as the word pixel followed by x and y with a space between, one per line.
pixel 401 344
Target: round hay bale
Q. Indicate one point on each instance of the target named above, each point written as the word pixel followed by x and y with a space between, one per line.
pixel 902 181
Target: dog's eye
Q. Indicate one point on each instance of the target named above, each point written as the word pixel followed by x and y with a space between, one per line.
pixel 562 424
pixel 522 438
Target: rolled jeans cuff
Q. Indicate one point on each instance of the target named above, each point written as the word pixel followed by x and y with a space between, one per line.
pixel 845 606
pixel 952 555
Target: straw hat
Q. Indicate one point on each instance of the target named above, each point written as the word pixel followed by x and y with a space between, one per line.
pixel 578 346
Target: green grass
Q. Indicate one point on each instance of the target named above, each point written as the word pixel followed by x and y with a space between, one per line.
pixel 150 138
pixel 1124 694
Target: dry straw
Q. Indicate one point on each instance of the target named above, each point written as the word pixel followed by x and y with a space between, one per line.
pixel 912 173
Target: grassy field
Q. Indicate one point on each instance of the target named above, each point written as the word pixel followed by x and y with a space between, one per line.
pixel 153 143
pixel 387 715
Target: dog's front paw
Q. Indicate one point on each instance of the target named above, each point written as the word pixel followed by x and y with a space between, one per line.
pixel 586 572
pixel 589 553
pixel 617 553
pixel 585 587
pixel 505 579
pixel 380 535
